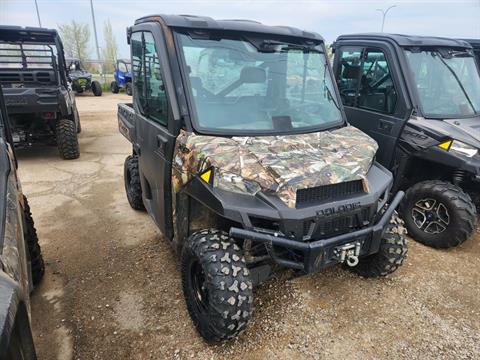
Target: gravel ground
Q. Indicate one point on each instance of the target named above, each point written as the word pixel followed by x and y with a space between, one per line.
pixel 112 289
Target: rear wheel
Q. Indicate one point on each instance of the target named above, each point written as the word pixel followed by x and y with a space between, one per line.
pixel 128 89
pixel 96 88
pixel 34 251
pixel 216 285
pixel 438 214
pixel 114 87
pixel 392 252
pixel 67 140
pixel 133 188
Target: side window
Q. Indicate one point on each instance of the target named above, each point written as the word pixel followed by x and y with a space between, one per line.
pixel 348 75
pixel 138 71
pixel 377 91
pixel 147 78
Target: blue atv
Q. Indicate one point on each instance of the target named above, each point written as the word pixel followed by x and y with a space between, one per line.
pixel 123 77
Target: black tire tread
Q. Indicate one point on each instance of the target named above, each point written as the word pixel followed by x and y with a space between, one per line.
pixel 96 88
pixel 67 139
pixel 114 87
pixel 34 250
pixel 133 188
pixel 393 251
pixel 466 212
pixel 77 119
pixel 128 89
pixel 228 281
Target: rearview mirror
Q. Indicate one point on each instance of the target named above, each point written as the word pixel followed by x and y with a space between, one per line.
pixel 253 75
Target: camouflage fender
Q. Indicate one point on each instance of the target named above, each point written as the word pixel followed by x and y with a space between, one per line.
pixel 275 164
pixel 14 251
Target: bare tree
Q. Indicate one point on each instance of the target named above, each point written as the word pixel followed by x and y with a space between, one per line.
pixel 110 49
pixel 75 38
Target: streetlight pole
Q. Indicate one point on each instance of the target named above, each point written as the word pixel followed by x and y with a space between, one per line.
pixel 38 14
pixel 384 14
pixel 94 30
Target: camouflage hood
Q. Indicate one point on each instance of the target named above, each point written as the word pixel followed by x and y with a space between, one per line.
pixel 276 164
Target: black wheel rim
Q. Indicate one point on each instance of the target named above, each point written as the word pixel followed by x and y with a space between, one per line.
pixel 198 289
pixel 431 216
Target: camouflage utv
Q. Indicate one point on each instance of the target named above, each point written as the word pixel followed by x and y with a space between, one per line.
pixel 243 158
pixel 21 262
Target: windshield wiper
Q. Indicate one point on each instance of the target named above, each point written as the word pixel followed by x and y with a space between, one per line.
pixel 459 83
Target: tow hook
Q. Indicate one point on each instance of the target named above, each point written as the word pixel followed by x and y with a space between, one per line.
pixel 349 253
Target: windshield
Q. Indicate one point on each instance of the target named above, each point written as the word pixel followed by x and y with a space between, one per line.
pixel 242 86
pixel 447 82
pixel 123 66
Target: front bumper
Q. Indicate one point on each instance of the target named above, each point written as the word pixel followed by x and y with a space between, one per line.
pixel 320 254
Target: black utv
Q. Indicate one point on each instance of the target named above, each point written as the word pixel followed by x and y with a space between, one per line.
pixel 243 158
pixel 81 79
pixel 419 97
pixel 21 262
pixel 40 103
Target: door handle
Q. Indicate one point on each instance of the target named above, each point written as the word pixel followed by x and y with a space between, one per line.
pixel 161 143
pixel 385 125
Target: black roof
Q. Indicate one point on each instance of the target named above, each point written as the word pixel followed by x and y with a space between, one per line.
pixel 203 22
pixel 27 34
pixel 474 42
pixel 409 40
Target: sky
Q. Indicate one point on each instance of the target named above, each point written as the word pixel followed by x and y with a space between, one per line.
pixel 329 18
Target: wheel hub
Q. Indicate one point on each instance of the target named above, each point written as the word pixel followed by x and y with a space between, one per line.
pixel 430 216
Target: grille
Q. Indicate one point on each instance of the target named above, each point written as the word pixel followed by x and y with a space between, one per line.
pixel 331 226
pixel 326 193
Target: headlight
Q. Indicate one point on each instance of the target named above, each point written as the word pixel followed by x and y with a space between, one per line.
pixel 459 148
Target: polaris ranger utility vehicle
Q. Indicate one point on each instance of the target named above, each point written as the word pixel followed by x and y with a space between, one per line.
pixel 123 77
pixel 419 98
pixel 34 78
pixel 81 79
pixel 243 158
pixel 21 262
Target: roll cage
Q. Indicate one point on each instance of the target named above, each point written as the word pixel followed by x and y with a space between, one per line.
pixel 19 52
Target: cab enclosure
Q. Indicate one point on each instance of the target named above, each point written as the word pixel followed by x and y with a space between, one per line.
pixel 419 98
pixel 243 158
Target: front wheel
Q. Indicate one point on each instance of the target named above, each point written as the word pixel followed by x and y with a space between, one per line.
pixel 67 140
pixel 438 214
pixel 128 89
pixel 216 285
pixel 392 252
pixel 34 250
pixel 96 88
